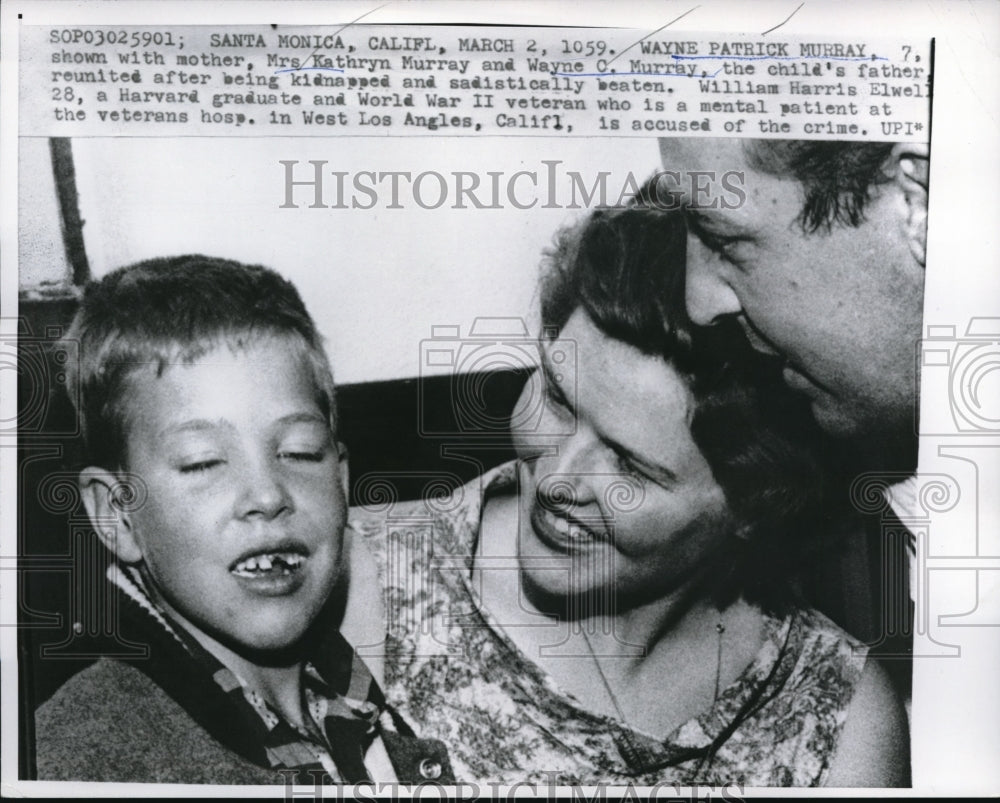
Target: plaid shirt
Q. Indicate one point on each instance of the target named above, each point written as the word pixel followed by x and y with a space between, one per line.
pixel 343 701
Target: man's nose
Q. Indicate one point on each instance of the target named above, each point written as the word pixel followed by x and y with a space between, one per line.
pixel 706 293
pixel 264 492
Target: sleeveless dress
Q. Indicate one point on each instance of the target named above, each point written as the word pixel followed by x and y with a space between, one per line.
pixel 452 671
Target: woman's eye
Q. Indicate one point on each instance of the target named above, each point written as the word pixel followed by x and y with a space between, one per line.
pixel 626 466
pixel 555 400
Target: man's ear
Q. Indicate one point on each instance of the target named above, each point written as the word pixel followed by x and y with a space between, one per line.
pixel 101 491
pixel 911 170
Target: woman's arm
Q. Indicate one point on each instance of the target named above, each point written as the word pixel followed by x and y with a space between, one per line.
pixel 874 747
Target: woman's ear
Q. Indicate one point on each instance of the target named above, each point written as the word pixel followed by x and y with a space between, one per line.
pixel 105 496
pixel 911 171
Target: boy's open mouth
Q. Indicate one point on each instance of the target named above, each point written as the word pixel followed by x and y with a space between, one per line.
pixel 268 564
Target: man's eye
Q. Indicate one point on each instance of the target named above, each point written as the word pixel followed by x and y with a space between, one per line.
pixel 200 466
pixel 724 246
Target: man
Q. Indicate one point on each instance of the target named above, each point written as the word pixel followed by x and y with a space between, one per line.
pixel 823 263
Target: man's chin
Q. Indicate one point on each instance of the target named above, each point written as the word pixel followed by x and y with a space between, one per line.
pixel 835 422
pixel 877 445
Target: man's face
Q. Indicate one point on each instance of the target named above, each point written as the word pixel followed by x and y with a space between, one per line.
pixel 241 533
pixel 843 307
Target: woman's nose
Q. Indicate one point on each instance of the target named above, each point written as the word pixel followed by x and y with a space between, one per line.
pixel 568 475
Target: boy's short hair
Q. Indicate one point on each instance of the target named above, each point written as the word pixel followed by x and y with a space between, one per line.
pixel 175 310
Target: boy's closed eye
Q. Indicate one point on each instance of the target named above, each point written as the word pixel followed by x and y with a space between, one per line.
pixel 305 454
pixel 294 454
pixel 306 442
pixel 199 466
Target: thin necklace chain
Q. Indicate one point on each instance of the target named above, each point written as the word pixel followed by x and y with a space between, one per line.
pixel 638 755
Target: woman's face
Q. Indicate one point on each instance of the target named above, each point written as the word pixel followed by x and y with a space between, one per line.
pixel 616 502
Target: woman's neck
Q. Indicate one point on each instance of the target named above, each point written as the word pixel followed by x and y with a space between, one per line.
pixel 614 662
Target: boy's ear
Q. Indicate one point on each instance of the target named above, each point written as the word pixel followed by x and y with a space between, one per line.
pixel 911 170
pixel 344 471
pixel 101 491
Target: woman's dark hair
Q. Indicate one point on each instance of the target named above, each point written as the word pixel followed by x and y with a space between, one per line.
pixel 625 268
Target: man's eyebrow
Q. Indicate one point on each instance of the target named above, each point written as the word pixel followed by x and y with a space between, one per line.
pixel 704 219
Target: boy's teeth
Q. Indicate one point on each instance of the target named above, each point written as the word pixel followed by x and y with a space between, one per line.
pixel 259 564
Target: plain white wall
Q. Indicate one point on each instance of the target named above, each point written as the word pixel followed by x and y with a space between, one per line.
pixel 41 254
pixel 376 281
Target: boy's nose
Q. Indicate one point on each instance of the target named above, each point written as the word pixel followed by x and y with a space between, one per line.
pixel 264 491
pixel 707 295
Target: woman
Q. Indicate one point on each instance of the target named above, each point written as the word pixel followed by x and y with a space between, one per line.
pixel 618 604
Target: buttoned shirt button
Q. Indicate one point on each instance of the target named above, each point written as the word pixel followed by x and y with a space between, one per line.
pixel 429 769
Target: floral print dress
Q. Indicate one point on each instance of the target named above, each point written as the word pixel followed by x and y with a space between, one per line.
pixel 454 674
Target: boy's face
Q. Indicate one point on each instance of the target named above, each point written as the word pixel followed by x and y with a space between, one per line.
pixel 242 529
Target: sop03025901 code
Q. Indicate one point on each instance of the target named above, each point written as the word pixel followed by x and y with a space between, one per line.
pixel 121 36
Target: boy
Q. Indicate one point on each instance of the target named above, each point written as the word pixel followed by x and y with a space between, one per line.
pixel 214 477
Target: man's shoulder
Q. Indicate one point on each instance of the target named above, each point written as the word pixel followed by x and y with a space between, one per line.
pixel 111 722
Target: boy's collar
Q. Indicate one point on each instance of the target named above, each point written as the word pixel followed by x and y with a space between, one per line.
pixel 335 659
pixel 129 580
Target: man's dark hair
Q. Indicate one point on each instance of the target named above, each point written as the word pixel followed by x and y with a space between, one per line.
pixel 838 178
pixel 625 268
pixel 152 314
